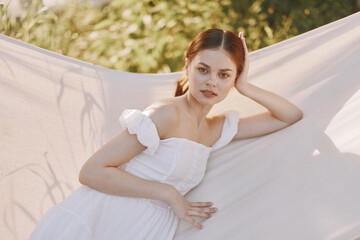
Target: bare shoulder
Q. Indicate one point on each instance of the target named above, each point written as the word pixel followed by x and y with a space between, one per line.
pixel 164 114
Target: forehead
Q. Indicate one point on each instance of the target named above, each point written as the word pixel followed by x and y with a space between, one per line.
pixel 215 58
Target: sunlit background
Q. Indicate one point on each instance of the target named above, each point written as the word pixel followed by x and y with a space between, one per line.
pixel 151 36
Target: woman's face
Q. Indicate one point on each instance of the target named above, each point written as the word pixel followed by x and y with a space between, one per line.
pixel 211 75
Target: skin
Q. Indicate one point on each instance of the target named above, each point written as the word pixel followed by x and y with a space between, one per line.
pixel 186 117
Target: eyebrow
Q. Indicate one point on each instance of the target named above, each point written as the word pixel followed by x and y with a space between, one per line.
pixel 226 69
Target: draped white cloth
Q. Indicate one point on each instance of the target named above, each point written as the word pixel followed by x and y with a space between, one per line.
pixel 298 183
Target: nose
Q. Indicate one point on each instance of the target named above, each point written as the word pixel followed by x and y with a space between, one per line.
pixel 212 81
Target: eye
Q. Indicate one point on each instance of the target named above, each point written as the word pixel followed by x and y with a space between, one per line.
pixel 224 75
pixel 203 70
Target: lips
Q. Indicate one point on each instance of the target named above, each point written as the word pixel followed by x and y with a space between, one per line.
pixel 208 93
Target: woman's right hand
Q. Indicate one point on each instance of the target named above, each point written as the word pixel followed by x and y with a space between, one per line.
pixel 241 82
pixel 187 210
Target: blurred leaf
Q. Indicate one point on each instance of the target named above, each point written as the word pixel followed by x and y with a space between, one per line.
pixel 103 24
pixel 153 35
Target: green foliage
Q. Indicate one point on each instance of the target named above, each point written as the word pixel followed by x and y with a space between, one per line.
pixel 305 14
pixel 150 36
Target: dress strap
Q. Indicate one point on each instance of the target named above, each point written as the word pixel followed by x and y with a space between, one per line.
pixel 229 129
pixel 140 124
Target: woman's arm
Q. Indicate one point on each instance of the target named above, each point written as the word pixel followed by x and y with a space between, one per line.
pixel 281 114
pixel 101 171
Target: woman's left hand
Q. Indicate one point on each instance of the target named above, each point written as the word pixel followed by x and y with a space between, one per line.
pixel 241 82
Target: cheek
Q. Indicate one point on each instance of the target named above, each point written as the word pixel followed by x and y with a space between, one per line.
pixel 194 82
pixel 197 78
pixel 227 85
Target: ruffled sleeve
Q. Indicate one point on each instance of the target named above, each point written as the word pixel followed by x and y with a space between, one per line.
pixel 229 129
pixel 140 124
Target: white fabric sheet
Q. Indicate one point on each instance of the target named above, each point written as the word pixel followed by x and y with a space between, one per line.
pixel 298 183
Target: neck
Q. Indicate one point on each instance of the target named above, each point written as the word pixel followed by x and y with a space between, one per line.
pixel 196 110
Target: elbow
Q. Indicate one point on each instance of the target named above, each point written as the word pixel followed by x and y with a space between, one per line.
pixel 82 176
pixel 297 116
pixel 300 115
pixel 92 175
pixel 85 175
pixel 293 117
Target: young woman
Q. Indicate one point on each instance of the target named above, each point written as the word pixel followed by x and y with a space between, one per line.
pixel 134 186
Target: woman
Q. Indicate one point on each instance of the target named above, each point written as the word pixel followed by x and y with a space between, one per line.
pixel 135 184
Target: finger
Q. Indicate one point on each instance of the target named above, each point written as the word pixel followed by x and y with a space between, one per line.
pixel 201 204
pixel 210 210
pixel 206 210
pixel 198 213
pixel 244 45
pixel 241 35
pixel 193 222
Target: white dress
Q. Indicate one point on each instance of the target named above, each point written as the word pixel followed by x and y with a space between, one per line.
pixel 88 214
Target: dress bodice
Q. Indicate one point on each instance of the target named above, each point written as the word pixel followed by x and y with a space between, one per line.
pixel 177 161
